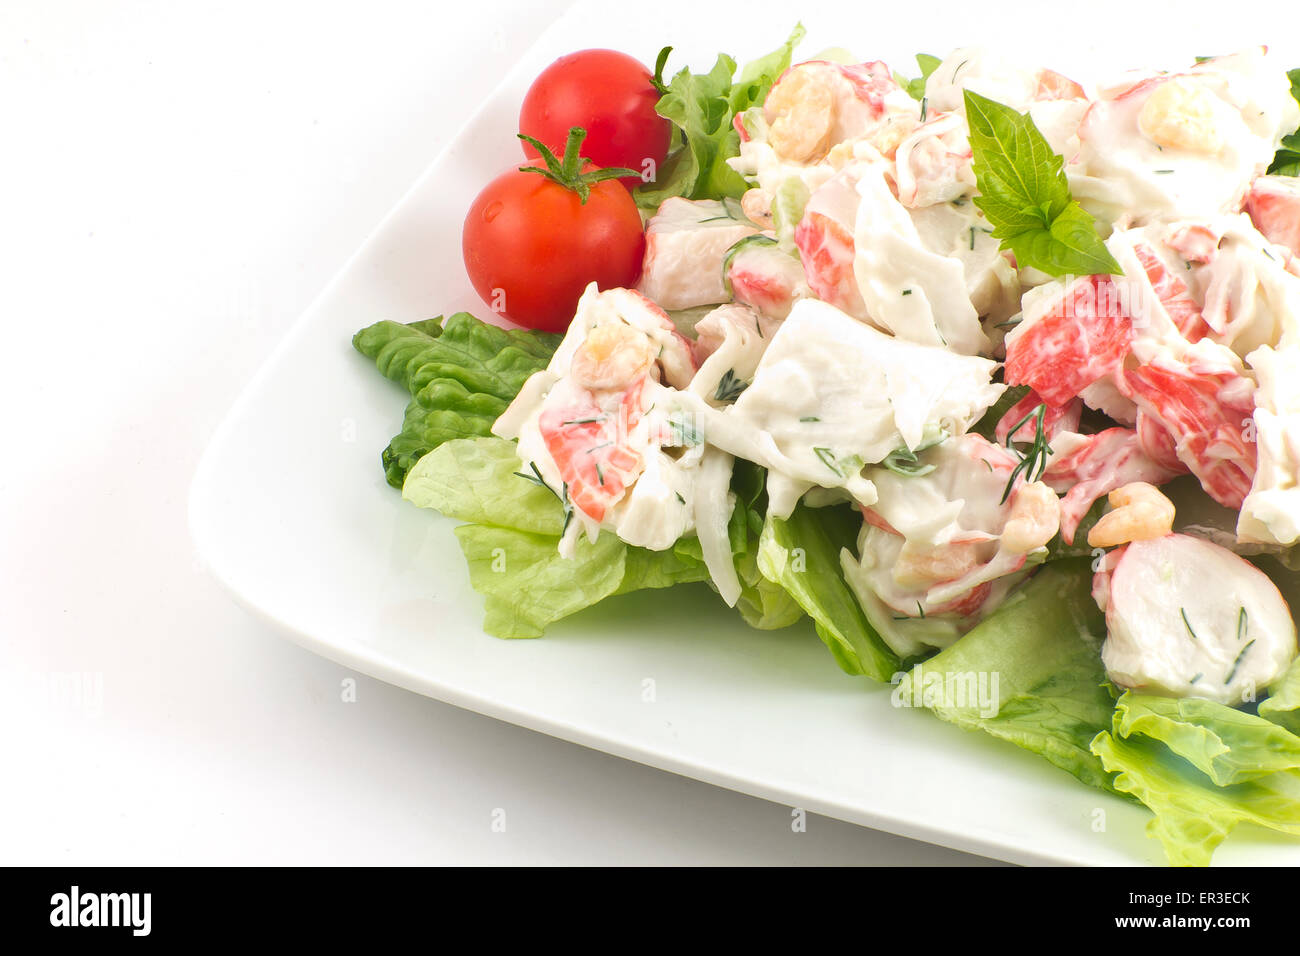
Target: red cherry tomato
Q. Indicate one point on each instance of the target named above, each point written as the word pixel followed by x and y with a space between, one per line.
pixel 612 97
pixel 531 245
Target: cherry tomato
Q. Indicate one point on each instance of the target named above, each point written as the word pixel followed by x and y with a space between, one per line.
pixel 611 96
pixel 531 244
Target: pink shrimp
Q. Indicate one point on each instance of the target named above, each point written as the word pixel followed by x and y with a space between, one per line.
pixel 1095 465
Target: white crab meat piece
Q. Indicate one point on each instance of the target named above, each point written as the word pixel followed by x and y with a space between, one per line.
pixel 729 343
pixel 686 241
pixel 831 395
pixel 1271 512
pixel 862 253
pixel 1250 298
pixel 1168 633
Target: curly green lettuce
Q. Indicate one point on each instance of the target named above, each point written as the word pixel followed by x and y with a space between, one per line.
pixel 461 374
pixel 702 108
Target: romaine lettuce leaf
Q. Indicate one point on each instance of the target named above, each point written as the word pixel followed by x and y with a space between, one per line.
pixel 1225 744
pixel 702 107
pixel 462 374
pixel 1040 654
pixel 916 88
pixel 802 554
pixel 763 604
pixel 1201 768
pixel 511 543
pixel 1282 706
pixel 476 480
pixel 1192 815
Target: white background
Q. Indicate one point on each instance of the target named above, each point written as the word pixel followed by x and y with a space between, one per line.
pixel 177 182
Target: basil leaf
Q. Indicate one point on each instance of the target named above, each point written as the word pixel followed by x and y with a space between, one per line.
pixel 1025 195
pixel 1287 160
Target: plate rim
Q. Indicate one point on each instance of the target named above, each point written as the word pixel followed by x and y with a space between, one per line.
pixel 380 666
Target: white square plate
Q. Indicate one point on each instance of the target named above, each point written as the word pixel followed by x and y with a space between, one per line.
pixel 290 509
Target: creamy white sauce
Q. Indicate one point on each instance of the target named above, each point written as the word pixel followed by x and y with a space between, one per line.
pixel 1271 512
pixel 831 395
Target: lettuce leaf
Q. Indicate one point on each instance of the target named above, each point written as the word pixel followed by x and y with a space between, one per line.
pixel 916 88
pixel 1202 768
pixel 1192 815
pixel 802 555
pixel 702 107
pixel 512 540
pixel 763 604
pixel 1040 653
pixel 1282 706
pixel 1225 744
pixel 461 373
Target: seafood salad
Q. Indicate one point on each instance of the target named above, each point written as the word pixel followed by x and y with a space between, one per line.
pixel 985 370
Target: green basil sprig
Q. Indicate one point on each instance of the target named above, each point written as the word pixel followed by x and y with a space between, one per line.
pixel 1025 196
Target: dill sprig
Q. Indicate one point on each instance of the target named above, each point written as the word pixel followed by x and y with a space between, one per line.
pixel 563 498
pixel 730 386
pixel 1034 462
pixel 1237 663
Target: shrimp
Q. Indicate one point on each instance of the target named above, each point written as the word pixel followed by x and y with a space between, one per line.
pixel 1035 518
pixel 611 357
pixel 1141 513
pixel 1179 114
pixel 1085 467
pixel 800 112
pixel 921 567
